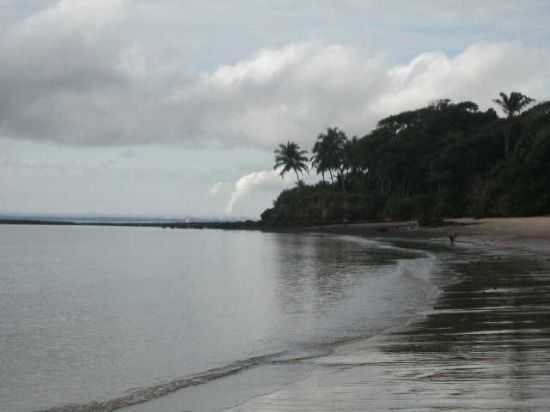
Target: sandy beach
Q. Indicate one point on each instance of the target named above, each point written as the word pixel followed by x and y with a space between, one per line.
pixel 526 228
pixel 531 232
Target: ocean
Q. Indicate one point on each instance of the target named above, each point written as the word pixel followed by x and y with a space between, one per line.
pixel 99 318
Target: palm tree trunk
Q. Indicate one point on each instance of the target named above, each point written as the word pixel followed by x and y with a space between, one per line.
pixel 507 137
pixel 342 183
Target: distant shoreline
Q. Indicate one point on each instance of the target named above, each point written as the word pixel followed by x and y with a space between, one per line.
pixel 238 225
pixel 493 229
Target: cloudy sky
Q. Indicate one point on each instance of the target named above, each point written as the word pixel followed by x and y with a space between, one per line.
pixel 174 107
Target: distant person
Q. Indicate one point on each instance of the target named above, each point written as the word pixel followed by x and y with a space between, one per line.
pixel 452 238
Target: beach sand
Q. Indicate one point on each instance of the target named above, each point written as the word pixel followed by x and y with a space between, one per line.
pixel 530 232
pixel 525 228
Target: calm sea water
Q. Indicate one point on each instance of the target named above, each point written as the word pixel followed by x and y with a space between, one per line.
pixel 121 315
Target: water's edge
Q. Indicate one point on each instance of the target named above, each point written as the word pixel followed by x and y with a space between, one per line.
pixel 420 268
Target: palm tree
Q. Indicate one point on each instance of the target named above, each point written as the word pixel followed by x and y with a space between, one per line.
pixel 328 152
pixel 319 159
pixel 512 105
pixel 289 156
pixel 352 156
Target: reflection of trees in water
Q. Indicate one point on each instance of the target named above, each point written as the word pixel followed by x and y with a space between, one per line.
pixel 492 327
pixel 318 271
pixel 310 276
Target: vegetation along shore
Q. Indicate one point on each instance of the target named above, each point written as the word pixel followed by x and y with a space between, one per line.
pixel 444 160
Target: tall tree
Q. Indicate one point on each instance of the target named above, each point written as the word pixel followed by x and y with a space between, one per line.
pixel 512 105
pixel 352 156
pixel 290 156
pixel 328 152
pixel 319 160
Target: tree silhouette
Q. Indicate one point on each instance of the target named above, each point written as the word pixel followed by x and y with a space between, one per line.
pixel 512 105
pixel 319 159
pixel 289 156
pixel 328 152
pixel 352 156
pixel 441 160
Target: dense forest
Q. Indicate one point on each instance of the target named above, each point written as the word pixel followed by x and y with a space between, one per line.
pixel 444 160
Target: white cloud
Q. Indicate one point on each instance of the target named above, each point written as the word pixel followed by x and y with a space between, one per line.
pixel 62 84
pixel 81 15
pixel 478 74
pixel 260 180
pixel 297 91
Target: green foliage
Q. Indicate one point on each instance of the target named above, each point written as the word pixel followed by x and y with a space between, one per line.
pixel 328 152
pixel 290 157
pixel 319 204
pixel 442 160
pixel 512 105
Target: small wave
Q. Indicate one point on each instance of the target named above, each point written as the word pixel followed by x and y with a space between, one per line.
pixel 420 269
pixel 146 394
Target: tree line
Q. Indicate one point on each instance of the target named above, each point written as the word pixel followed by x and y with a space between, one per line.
pixel 445 159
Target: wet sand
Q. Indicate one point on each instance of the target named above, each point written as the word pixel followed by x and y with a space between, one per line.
pixel 492 229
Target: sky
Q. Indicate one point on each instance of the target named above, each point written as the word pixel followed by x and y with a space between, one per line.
pixel 174 107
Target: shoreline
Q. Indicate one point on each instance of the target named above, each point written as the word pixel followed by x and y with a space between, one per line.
pixel 483 346
pixel 284 372
pixel 530 232
pixel 499 229
pixel 238 225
